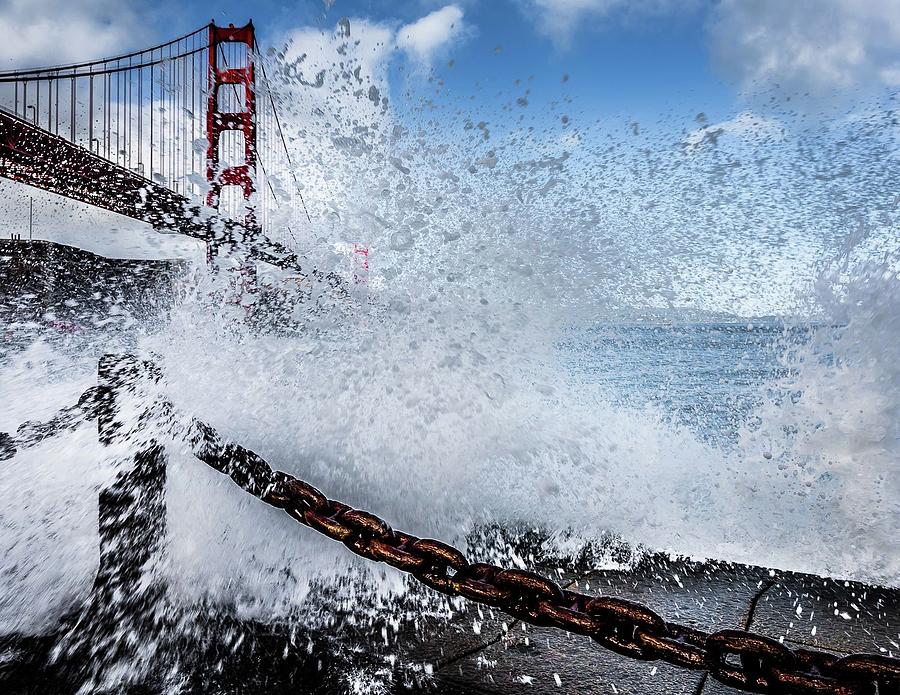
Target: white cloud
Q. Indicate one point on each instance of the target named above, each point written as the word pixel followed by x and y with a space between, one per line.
pixel 813 46
pixel 425 37
pixel 41 32
pixel 366 44
pixel 746 125
pixel 559 19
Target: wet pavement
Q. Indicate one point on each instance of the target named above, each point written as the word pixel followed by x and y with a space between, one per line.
pixel 805 611
pixel 480 650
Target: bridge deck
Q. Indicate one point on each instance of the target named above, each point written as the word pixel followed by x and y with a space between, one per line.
pixel 34 156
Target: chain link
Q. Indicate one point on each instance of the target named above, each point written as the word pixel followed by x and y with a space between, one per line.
pixel 740 659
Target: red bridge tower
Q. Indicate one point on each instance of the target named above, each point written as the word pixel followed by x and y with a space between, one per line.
pixel 217 121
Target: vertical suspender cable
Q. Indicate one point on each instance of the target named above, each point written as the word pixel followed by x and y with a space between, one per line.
pixel 183 115
pixel 90 112
pixel 72 108
pixel 171 121
pixel 122 118
pixel 152 110
pixel 176 122
pixel 112 117
pixel 161 148
pixel 162 127
pixel 168 123
pixel 129 90
pixel 140 123
pixel 114 129
pixel 181 118
pixel 163 139
pixel 105 78
pixel 173 118
pixel 176 100
pixel 122 122
pixel 193 107
pixel 120 115
pixel 109 116
pixel 114 105
pixel 110 108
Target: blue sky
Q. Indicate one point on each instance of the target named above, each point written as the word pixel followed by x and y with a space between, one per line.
pixel 635 58
pixel 636 68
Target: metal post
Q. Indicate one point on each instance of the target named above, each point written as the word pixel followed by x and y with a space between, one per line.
pixel 132 507
pixel 30 218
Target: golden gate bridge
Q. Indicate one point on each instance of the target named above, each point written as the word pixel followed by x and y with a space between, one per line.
pixel 184 135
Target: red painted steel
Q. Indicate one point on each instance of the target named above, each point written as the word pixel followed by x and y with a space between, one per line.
pixel 217 122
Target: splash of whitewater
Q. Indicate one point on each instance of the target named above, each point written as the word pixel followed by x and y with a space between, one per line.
pixel 439 397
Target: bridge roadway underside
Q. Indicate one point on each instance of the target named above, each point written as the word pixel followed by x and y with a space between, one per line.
pixel 37 157
pixel 482 651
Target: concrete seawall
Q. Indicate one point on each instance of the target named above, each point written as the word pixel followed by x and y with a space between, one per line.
pixel 211 649
pixel 41 278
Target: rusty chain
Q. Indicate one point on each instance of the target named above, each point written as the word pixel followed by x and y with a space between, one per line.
pixel 741 659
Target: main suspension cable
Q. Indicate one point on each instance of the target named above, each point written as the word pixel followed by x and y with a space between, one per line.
pixel 31 73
